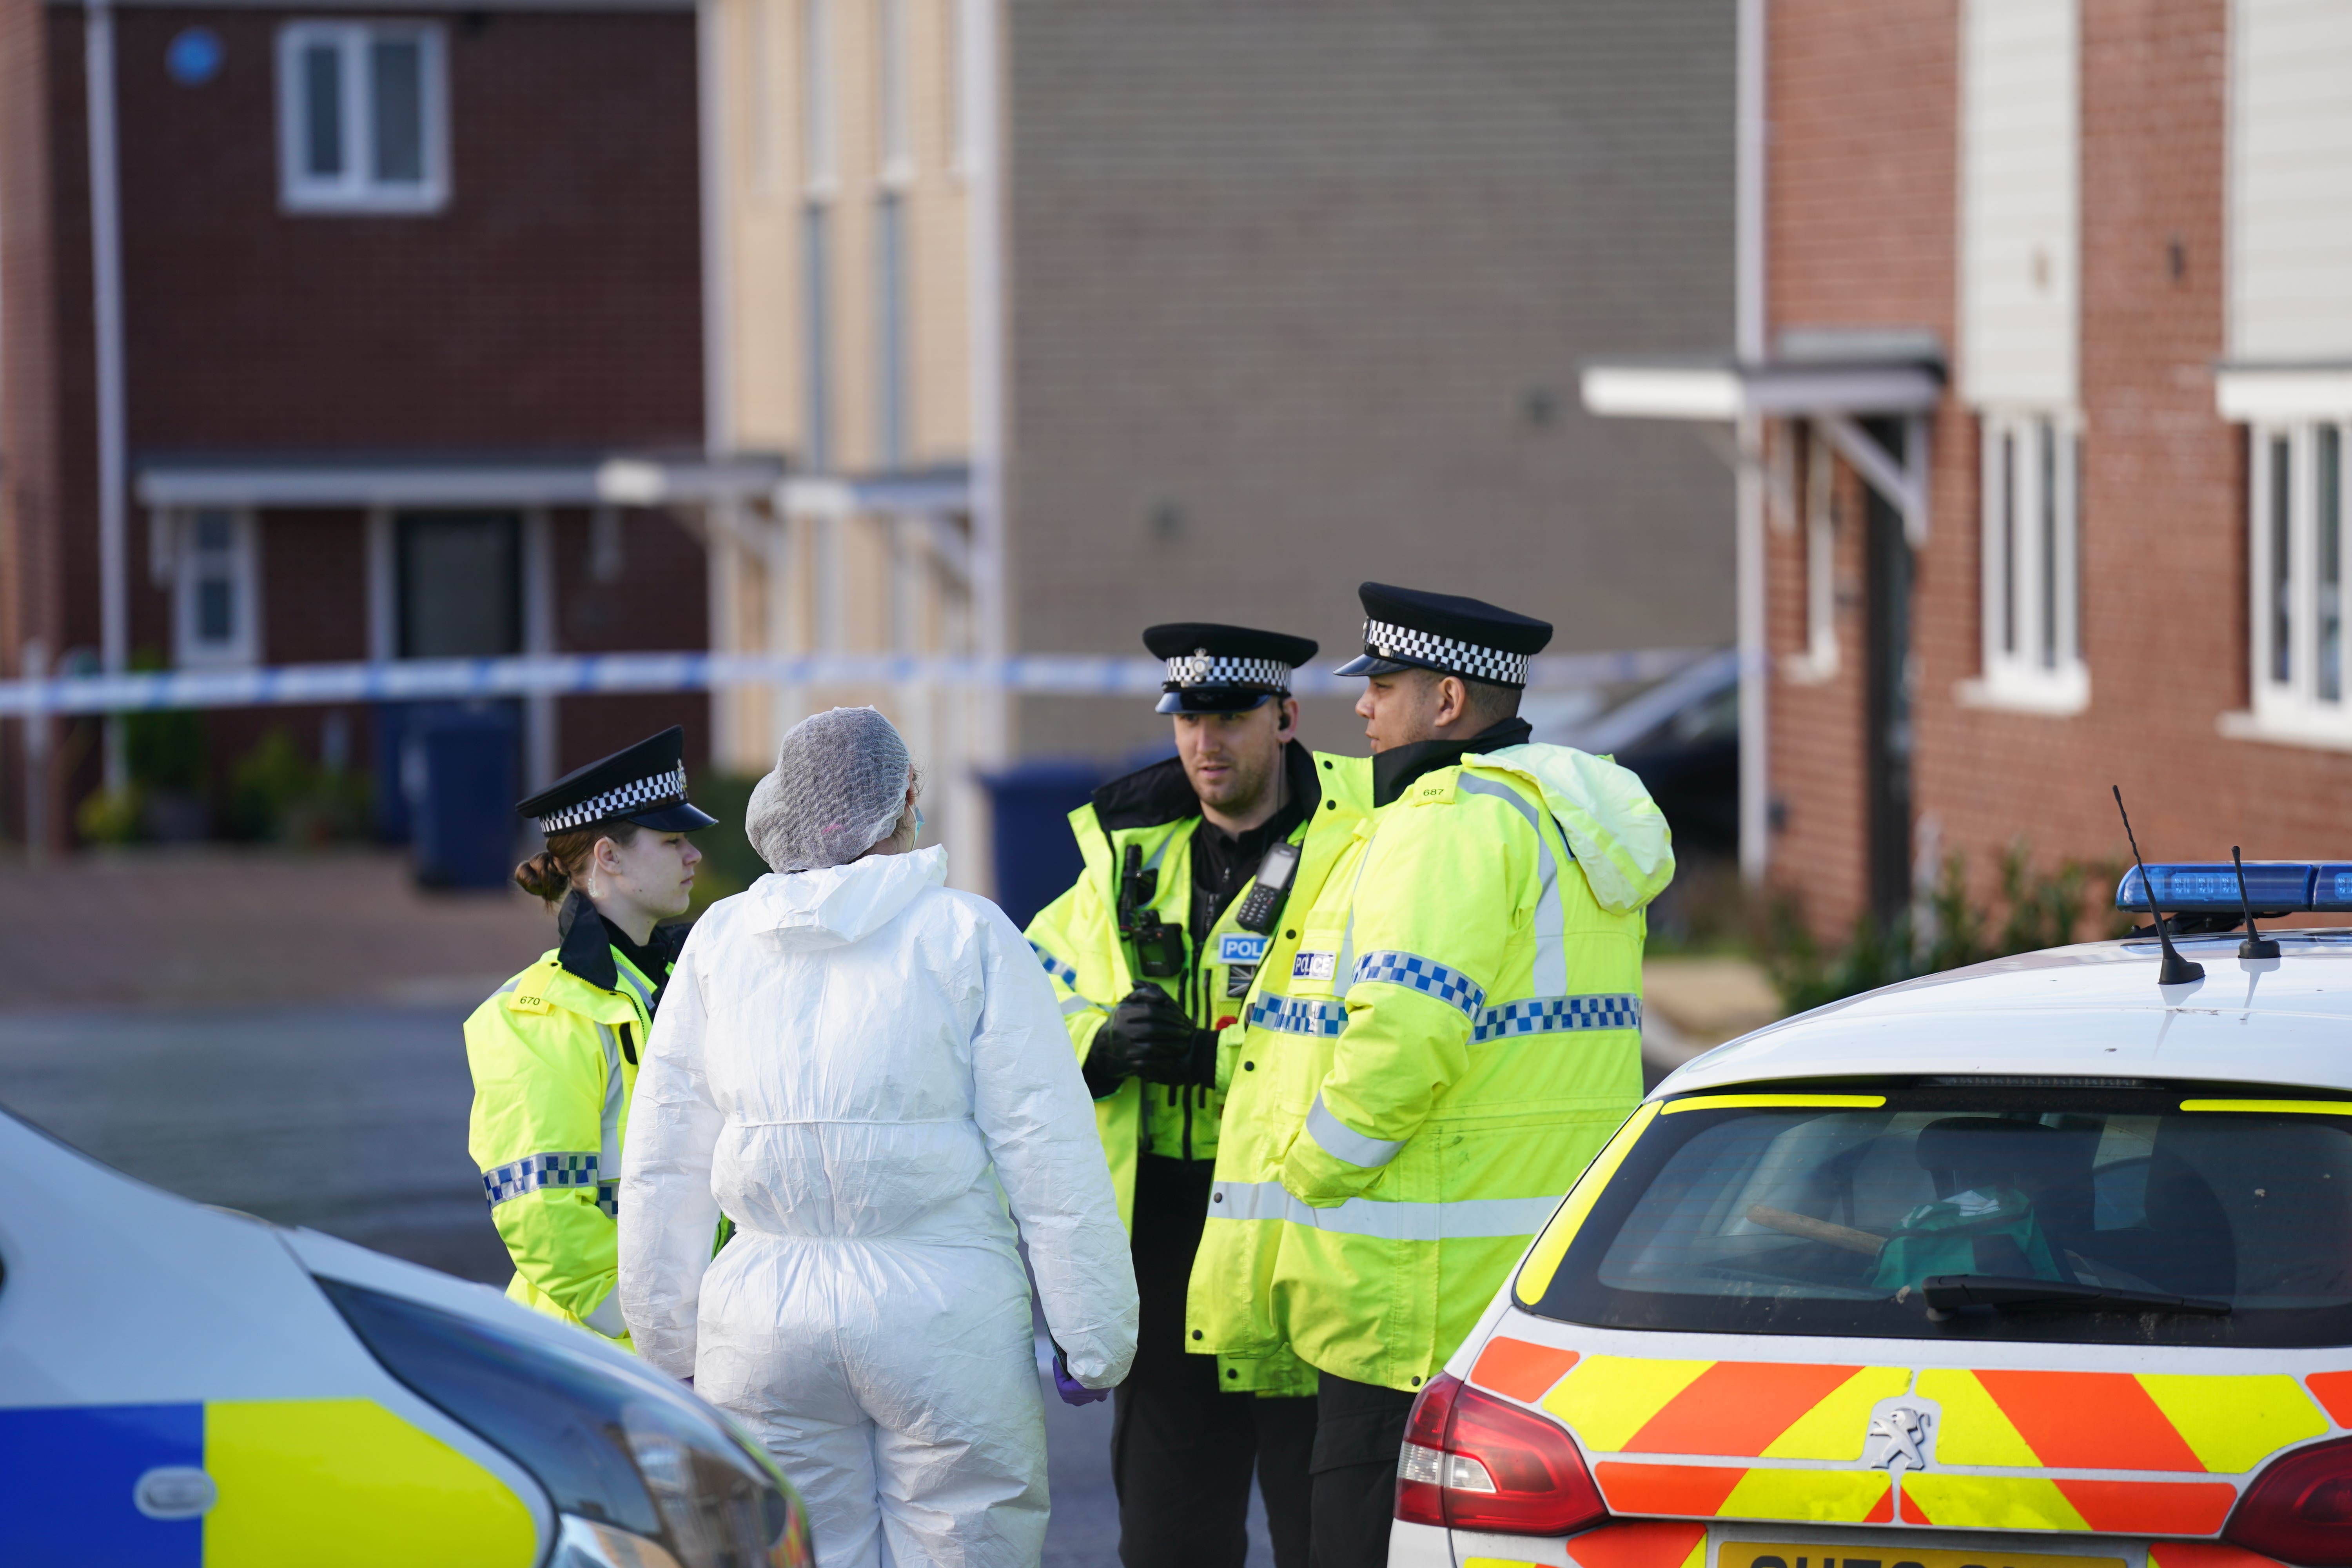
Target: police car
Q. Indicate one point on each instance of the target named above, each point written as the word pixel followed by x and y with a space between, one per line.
pixel 182 1385
pixel 2038 1264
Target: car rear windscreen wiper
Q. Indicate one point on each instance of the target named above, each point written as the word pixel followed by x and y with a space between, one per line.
pixel 1949 1292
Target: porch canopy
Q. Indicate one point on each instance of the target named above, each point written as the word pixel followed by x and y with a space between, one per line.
pixel 1835 378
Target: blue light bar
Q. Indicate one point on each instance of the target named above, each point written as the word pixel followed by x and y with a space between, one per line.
pixel 2331 888
pixel 2212 887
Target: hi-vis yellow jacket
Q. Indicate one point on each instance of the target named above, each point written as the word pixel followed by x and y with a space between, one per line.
pixel 1460 1032
pixel 1076 938
pixel 554 1058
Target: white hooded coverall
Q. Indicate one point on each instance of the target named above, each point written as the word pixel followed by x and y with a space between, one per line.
pixel 866 1070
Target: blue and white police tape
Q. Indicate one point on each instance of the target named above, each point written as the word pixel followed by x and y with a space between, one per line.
pixel 429 679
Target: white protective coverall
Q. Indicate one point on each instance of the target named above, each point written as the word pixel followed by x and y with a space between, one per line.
pixel 865 1069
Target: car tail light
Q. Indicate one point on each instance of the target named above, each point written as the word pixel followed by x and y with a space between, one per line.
pixel 2300 1510
pixel 1473 1462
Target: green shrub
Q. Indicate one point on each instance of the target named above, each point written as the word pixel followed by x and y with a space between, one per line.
pixel 2038 909
pixel 277 795
pixel 730 864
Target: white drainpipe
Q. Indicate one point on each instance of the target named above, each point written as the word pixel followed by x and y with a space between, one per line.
pixel 106 290
pixel 1755 672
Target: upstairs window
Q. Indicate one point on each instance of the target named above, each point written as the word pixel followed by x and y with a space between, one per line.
pixel 2296 481
pixel 2030 512
pixel 215 595
pixel 362 117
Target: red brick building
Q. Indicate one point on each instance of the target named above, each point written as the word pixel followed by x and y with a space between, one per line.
pixel 2047 363
pixel 374 303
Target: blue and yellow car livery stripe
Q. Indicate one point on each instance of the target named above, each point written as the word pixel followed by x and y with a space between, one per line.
pixel 290 1481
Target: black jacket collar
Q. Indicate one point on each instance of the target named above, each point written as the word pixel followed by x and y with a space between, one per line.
pixel 584 946
pixel 1161 794
pixel 1398 766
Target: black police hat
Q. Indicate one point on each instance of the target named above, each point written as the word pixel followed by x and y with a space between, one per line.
pixel 644 784
pixel 1406 628
pixel 1224 669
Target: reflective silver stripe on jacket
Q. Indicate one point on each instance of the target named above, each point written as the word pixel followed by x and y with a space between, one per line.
pixel 1468 1219
pixel 1336 1138
pixel 636 988
pixel 1550 924
pixel 1553 1015
pixel 608 1191
pixel 1073 1006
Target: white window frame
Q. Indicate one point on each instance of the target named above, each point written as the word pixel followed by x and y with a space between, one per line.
pixel 239 566
pixel 2031 547
pixel 356 189
pixel 2306 695
pixel 1819 660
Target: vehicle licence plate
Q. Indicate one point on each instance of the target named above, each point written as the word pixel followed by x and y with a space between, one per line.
pixel 1776 1555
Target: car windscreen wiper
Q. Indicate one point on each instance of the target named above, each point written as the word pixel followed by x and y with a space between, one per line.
pixel 1949 1292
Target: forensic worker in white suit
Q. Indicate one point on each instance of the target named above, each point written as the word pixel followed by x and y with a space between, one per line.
pixel 867 1073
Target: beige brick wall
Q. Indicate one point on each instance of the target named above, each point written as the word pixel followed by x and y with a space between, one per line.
pixel 1297 296
pixel 1284 281
pixel 769 183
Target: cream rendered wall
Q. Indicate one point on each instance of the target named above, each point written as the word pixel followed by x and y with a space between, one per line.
pixel 838 592
pixel 2290 264
pixel 2020 202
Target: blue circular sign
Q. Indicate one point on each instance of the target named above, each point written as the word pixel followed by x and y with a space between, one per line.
pixel 194 56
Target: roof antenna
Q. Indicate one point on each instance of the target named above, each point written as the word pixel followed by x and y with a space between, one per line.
pixel 2256 945
pixel 2177 970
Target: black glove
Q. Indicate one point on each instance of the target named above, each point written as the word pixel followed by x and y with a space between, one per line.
pixel 1149 1037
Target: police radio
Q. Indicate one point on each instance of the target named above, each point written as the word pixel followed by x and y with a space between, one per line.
pixel 1158 947
pixel 1262 906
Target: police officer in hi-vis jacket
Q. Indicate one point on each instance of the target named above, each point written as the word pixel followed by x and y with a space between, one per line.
pixel 1192 867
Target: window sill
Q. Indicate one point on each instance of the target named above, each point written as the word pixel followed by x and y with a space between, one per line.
pixel 373 204
pixel 2056 698
pixel 2280 730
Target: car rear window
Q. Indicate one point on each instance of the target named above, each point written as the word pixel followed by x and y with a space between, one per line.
pixel 1755 1213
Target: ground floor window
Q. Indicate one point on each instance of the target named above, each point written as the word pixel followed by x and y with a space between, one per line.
pixel 2295 537
pixel 2030 511
pixel 216 590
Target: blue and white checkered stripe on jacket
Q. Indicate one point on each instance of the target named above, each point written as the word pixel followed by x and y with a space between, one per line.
pixel 1055 967
pixel 534 1172
pixel 1293 1015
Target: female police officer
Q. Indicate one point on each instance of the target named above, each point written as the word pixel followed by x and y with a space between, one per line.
pixel 554 1052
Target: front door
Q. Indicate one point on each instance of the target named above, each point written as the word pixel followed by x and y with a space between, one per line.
pixel 460 577
pixel 1890 683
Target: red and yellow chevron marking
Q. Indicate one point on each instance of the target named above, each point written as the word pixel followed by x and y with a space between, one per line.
pixel 2334 1391
pixel 1736 1409
pixel 1736 1491
pixel 2118 1421
pixel 2045 1502
pixel 1523 1372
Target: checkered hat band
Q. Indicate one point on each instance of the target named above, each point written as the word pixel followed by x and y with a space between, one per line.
pixel 638 795
pixel 1382 640
pixel 1208 669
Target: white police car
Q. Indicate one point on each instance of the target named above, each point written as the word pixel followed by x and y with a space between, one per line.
pixel 185 1386
pixel 2039 1264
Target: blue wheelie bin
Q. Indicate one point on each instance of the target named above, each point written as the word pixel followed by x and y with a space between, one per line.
pixel 460 771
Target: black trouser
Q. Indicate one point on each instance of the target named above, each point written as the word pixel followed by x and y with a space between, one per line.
pixel 1359 1433
pixel 1182 1450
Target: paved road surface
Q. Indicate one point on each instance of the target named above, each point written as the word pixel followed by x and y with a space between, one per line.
pixel 352 1119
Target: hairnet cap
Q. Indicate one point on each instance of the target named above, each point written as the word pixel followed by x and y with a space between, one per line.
pixel 837 789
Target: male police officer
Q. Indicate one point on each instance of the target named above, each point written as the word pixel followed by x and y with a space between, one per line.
pixel 1189 864
pixel 1482 941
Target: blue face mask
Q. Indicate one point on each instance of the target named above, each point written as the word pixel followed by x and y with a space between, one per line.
pixel 918 824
